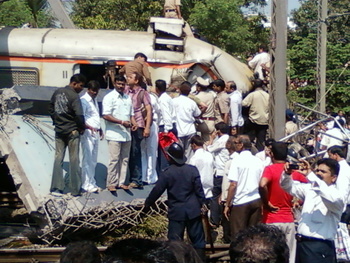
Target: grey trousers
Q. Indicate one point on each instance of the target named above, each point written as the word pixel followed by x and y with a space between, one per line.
pixel 185 141
pixel 289 230
pixel 118 162
pixel 63 141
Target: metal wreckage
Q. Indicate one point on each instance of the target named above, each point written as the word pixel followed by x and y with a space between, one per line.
pixel 27 147
pixel 35 61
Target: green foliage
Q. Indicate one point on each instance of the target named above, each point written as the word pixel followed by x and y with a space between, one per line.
pixel 220 21
pixel 224 25
pixel 302 54
pixel 35 7
pixel 302 57
pixel 18 12
pixel 154 227
pixel 303 95
pixel 305 18
pixel 115 14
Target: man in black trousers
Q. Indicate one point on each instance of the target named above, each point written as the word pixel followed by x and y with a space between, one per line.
pixel 185 198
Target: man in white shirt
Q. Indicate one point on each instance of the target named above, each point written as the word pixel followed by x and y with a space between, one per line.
pixel 217 146
pixel 231 147
pixel 204 162
pixel 340 116
pixel 243 204
pixel 343 186
pixel 265 155
pixel 236 118
pixel 334 136
pixel 167 120
pixel 119 115
pixel 91 136
pixel 322 209
pixel 150 144
pixel 343 180
pixel 186 111
pixel 261 58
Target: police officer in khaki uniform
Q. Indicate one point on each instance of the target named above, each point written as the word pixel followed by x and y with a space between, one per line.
pixel 172 9
pixel 206 127
pixel 222 102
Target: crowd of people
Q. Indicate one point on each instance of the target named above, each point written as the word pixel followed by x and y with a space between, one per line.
pixel 256 244
pixel 195 143
pixel 134 118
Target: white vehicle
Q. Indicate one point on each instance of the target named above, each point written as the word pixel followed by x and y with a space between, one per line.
pixel 49 57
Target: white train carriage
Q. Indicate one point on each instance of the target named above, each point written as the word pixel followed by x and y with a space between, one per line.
pixel 49 57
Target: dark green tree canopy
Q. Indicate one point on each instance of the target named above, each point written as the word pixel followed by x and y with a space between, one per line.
pixel 221 22
pixel 302 53
pixel 18 12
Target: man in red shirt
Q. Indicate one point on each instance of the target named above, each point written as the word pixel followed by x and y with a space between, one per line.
pixel 278 203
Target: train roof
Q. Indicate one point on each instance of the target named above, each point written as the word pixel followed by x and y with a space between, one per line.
pixel 103 45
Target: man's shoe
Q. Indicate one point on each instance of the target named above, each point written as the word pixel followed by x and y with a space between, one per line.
pixel 111 188
pixel 95 190
pixel 123 186
pixel 57 194
pixel 135 185
pixel 70 195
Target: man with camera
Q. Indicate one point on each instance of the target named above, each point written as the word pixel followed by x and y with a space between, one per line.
pixel 322 209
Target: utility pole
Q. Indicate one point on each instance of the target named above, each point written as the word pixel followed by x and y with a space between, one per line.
pixel 278 75
pixel 321 55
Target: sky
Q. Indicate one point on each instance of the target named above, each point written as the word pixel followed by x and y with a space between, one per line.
pixel 292 4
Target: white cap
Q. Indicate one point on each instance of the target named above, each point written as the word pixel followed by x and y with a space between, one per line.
pixel 202 82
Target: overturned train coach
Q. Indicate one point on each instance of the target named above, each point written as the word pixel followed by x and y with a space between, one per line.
pixel 49 57
pixel 34 62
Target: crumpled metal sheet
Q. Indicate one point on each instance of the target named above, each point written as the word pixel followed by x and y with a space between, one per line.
pixel 27 145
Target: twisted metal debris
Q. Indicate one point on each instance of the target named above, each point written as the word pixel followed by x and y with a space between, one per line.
pixel 27 146
pixel 66 217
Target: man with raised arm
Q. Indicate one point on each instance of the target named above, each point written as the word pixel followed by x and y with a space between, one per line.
pixel 322 209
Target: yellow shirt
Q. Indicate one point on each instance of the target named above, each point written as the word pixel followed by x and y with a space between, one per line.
pixel 258 101
pixel 208 98
pixel 171 4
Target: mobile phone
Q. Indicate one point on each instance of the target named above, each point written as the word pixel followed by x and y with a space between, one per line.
pixel 294 166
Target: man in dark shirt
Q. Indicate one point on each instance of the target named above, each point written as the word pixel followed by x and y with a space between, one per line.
pixel 185 198
pixel 67 116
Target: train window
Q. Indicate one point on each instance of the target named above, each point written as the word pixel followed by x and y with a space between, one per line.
pixel 18 76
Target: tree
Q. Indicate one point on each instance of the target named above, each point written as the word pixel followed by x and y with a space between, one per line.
pixel 227 27
pixel 35 6
pixel 115 14
pixel 302 54
pixel 18 12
